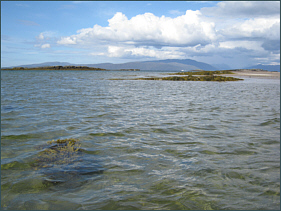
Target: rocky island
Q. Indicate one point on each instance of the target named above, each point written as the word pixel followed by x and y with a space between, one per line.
pixel 196 76
pixel 56 68
pixel 218 75
pixel 70 67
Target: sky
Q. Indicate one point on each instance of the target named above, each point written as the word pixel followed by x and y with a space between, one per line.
pixel 234 33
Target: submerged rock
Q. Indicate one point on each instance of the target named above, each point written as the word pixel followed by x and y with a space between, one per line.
pixel 60 162
pixel 65 156
pixel 65 151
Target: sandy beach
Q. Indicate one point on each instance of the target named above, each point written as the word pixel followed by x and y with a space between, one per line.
pixel 254 74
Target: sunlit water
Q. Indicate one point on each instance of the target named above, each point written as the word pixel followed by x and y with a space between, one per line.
pixel 146 144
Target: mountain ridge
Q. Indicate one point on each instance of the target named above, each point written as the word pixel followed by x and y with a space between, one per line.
pixel 155 65
pixel 271 68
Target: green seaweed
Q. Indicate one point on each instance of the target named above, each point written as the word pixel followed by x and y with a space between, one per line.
pixel 196 76
pixel 15 165
pixel 61 151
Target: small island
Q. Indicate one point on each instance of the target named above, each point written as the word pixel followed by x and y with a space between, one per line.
pixel 196 76
pixel 218 75
pixel 66 68
pixel 56 68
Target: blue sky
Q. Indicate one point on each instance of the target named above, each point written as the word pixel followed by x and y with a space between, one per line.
pixel 234 33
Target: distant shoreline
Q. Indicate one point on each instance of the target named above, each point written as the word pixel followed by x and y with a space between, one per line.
pixel 55 68
pixel 245 73
pixel 254 73
pixel 65 68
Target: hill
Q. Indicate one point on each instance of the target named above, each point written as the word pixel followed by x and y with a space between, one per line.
pixel 45 64
pixel 275 68
pixel 157 65
pixel 160 65
pixel 168 65
pixel 189 62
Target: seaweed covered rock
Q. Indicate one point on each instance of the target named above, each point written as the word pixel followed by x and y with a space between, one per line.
pixel 61 151
pixel 63 159
pixel 58 162
pixel 63 156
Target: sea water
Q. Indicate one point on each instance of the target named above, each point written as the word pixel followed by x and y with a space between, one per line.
pixel 147 145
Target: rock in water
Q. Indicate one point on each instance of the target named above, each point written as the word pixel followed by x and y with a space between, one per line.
pixel 64 160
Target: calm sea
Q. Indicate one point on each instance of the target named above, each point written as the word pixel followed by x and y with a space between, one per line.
pixel 146 144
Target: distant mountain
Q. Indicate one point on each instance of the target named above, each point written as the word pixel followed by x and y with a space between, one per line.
pixel 154 66
pixel 158 65
pixel 45 64
pixel 222 66
pixel 275 68
pixel 190 62
pixel 168 65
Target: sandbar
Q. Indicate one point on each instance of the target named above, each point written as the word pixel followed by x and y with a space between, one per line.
pixel 254 74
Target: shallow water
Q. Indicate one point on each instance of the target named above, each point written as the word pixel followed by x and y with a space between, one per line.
pixel 146 144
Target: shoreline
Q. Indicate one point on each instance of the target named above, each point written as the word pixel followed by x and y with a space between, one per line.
pixel 243 73
pixel 254 74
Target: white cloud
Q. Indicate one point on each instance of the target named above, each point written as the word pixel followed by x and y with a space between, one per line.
pixel 41 36
pixel 97 54
pixel 272 59
pixel 164 53
pixel 238 9
pixel 188 30
pixel 249 45
pixel 254 28
pixel 47 35
pixel 232 30
pixel 67 41
pixel 45 46
pixel 115 51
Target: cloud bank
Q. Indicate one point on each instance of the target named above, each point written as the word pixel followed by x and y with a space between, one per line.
pixel 148 29
pixel 230 29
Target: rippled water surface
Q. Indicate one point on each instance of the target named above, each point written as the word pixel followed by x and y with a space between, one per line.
pixel 145 144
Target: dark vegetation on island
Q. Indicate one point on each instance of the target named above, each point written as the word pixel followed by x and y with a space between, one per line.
pixel 196 76
pixel 56 68
pixel 66 68
pixel 193 78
